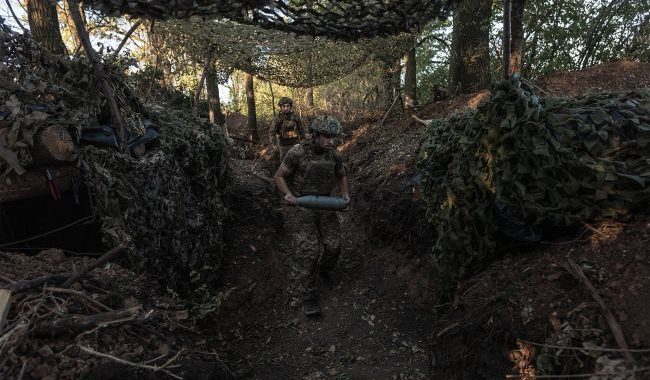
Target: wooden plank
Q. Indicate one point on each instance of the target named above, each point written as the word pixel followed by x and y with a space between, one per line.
pixel 5 303
pixel 34 184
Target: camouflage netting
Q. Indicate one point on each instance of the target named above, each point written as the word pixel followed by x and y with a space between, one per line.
pixel 345 20
pixel 279 57
pixel 168 203
pixel 550 161
pixel 38 89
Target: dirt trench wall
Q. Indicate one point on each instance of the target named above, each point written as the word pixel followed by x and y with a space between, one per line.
pixel 532 161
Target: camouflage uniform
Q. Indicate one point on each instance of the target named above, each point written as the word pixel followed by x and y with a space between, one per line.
pixel 314 235
pixel 286 131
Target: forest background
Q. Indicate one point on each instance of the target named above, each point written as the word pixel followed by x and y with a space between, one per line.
pixel 547 36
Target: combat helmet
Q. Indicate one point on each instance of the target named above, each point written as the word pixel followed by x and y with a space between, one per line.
pixel 326 124
pixel 285 100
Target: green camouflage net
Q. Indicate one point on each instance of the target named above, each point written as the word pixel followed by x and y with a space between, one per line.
pixel 550 161
pixel 279 57
pixel 344 20
pixel 167 203
pixel 38 89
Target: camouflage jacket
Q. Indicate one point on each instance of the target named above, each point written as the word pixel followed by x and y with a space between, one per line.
pixel 311 172
pixel 287 129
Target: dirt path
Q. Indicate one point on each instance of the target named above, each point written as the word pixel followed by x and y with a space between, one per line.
pixel 370 329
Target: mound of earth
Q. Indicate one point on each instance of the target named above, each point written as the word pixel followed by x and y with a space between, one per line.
pixel 525 295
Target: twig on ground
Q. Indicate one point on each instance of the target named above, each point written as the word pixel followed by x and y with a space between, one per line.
pixel 607 375
pixel 52 279
pixel 216 355
pixel 126 362
pixel 70 323
pixel 80 294
pixel 7 279
pixel 20 326
pixel 173 358
pixel 22 370
pixel 103 259
pixel 614 326
pixel 422 121
pixel 597 349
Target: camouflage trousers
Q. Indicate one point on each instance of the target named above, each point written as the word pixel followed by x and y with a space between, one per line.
pixel 314 246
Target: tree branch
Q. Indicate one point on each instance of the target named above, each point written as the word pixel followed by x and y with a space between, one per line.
pixel 439 39
pixel 126 38
pixel 11 9
pixel 116 117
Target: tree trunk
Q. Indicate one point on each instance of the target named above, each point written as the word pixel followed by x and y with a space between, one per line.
pixel 390 86
pixel 410 84
pixel 214 103
pixel 505 61
pixel 199 87
pixel 272 98
pixel 309 97
pixel 385 92
pixel 517 35
pixel 396 84
pixel 469 68
pixel 252 134
pixel 69 26
pixel 44 25
pixel 155 54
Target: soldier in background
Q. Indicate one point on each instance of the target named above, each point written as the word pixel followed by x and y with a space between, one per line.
pixel 438 93
pixel 286 130
pixel 312 168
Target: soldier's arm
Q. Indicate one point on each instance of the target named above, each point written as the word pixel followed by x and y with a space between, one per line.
pixel 345 189
pixel 281 183
pixel 342 177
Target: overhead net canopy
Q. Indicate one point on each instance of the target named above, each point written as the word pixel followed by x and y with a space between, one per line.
pixel 346 20
pixel 280 57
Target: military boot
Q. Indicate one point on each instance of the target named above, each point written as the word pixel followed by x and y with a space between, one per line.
pixel 311 306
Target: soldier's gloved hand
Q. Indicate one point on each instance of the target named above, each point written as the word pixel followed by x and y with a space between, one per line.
pixel 347 199
pixel 290 199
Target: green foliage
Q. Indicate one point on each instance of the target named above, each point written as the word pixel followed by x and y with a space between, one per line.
pixel 432 58
pixel 574 34
pixel 559 35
